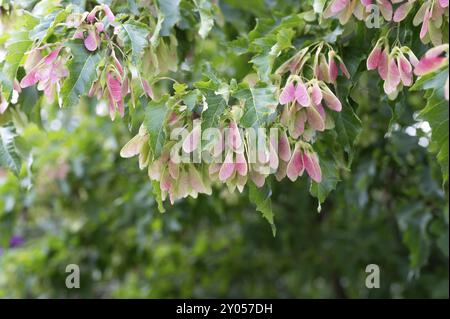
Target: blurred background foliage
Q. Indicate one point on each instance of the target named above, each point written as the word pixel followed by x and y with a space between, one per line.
pixel 76 201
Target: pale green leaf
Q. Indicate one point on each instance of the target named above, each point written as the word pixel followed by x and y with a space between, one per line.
pixel 171 12
pixel 259 104
pixel 134 34
pixel 17 46
pixel 216 106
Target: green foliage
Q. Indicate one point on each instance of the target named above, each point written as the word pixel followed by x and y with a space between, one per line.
pixel 155 117
pixel 170 10
pixel 134 36
pixel 261 198
pixel 82 73
pixel 259 104
pixel 436 113
pixel 8 154
pixel 17 46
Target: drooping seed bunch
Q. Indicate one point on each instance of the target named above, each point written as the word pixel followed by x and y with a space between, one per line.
pixel 90 26
pixel 114 77
pixel 237 155
pixel 305 93
pixel 397 65
pixel 430 15
pixel 45 71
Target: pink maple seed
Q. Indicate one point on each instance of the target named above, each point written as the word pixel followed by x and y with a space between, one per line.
pixel 91 41
pixel 315 120
pixel 51 57
pixel 258 179
pixel 174 169
pixel 331 100
pixel 234 137
pixel 192 140
pixel 383 64
pixel 311 163
pixel 147 88
pixel 288 94
pixel 79 34
pixel 100 27
pixel 425 23
pixel 284 149
pixel 333 68
pixel 344 70
pixel 386 10
pixel 108 13
pixel 316 94
pixel 338 5
pixel 114 87
pixel 228 167
pixel 405 70
pixel 374 58
pixel 402 11
pixel 29 79
pixel 241 164
pixel 443 3
pixel 91 16
pixel 433 60
pixel 393 78
pixel 301 94
pixel 295 166
pixel 298 124
pixel 195 180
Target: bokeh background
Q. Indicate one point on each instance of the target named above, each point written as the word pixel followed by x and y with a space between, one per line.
pixel 77 202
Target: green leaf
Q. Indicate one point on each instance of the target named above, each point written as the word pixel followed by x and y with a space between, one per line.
pixel 47 25
pixel 171 11
pixel 8 153
pixel 134 36
pixel 263 63
pixel 259 103
pixel 16 46
pixel 157 193
pixel 330 178
pixel 190 99
pixel 413 220
pixel 318 5
pixel 261 198
pixel 431 81
pixel 436 113
pixel 155 117
pixel 216 106
pixel 348 127
pixel 206 17
pixel 82 68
